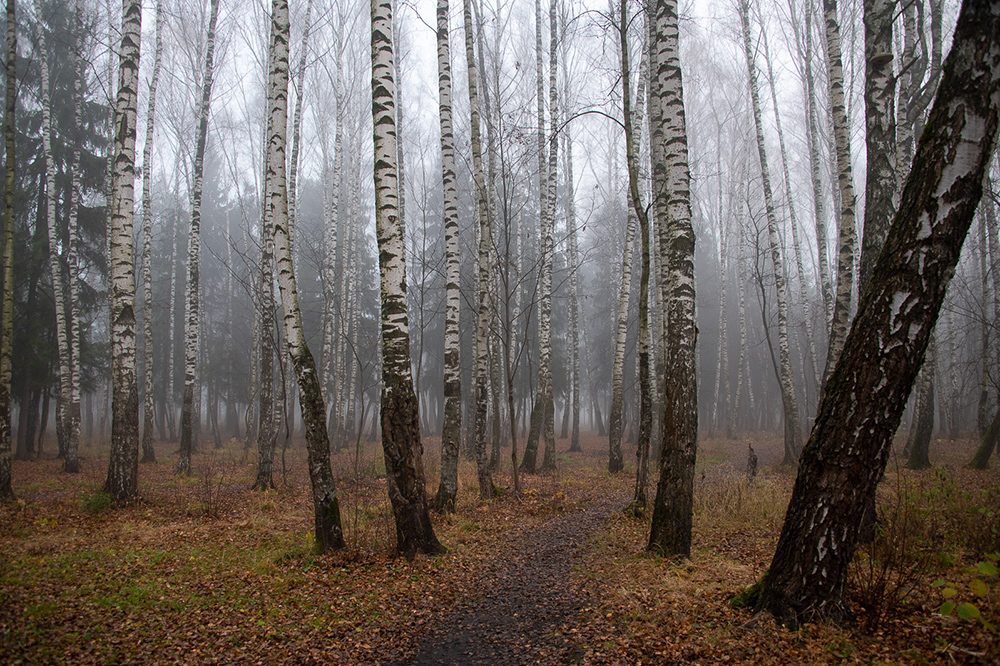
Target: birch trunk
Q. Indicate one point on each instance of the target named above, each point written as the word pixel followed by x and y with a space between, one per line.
pixel 189 421
pixel 574 286
pixel 867 391
pixel 789 401
pixel 293 169
pixel 7 308
pixel 529 462
pixel 451 431
pixel 847 231
pixel 148 453
pixel 548 251
pixel 486 487
pixel 672 509
pixel 792 221
pixel 329 535
pixel 399 414
pixel 122 480
pixel 55 266
pixel 637 212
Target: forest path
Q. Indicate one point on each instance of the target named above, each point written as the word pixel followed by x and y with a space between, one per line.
pixel 528 611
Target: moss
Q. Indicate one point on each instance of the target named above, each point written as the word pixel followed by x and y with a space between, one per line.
pixel 750 598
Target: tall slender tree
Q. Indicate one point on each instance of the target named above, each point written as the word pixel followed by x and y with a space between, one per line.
pixel 789 401
pixel 451 430
pixel 486 487
pixel 399 414
pixel 329 534
pixel 148 452
pixel 189 419
pixel 847 224
pixel 123 466
pixel 7 304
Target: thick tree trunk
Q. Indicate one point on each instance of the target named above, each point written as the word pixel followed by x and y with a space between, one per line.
pixel 148 453
pixel 7 307
pixel 789 401
pixel 189 417
pixel 329 535
pixel 670 532
pixel 987 444
pixel 399 415
pixel 867 391
pixel 123 466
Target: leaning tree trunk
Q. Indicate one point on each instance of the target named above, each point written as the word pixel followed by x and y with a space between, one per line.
pixel 789 401
pixel 123 466
pixel 400 415
pixel 7 309
pixel 326 506
pixel 673 507
pixel 867 391
pixel 148 453
pixel 451 430
pixel 189 431
pixel 486 487
pixel 847 231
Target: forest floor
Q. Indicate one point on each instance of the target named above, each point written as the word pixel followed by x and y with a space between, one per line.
pixel 203 570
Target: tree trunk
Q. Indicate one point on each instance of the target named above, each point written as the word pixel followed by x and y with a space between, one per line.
pixel 789 401
pixel 148 453
pixel 123 466
pixel 918 442
pixel 189 427
pixel 486 487
pixel 987 444
pixel 670 533
pixel 7 309
pixel 329 535
pixel 399 416
pixel 293 169
pixel 847 231
pixel 55 261
pixel 867 391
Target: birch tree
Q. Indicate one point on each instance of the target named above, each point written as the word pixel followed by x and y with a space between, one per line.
pixel 866 393
pixel 451 430
pixel 326 506
pixel 486 488
pixel 670 532
pixel 399 413
pixel 789 401
pixel 189 434
pixel 148 453
pixel 55 263
pixel 847 225
pixel 7 307
pixel 122 480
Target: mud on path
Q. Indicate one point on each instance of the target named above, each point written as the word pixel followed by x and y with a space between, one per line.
pixel 526 608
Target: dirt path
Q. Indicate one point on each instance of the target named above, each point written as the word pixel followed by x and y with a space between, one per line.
pixel 528 611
